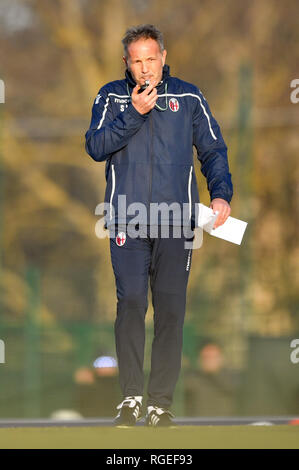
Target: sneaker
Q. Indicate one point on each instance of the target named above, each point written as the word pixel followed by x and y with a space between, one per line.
pixel 157 416
pixel 129 412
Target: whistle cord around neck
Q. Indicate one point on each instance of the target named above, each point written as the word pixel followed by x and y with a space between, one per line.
pixel 159 107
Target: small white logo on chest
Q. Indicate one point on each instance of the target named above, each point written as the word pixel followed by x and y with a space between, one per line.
pixel 121 100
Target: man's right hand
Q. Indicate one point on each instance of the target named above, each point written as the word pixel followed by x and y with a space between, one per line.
pixel 145 101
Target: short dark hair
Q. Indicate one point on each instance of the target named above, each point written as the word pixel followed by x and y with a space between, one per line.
pixel 142 31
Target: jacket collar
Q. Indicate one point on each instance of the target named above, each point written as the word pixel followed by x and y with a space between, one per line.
pixel 165 74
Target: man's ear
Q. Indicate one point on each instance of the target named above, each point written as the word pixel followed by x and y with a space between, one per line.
pixel 125 61
pixel 164 54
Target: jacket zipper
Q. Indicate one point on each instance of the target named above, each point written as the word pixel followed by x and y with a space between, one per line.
pixel 189 192
pixel 151 154
pixel 112 190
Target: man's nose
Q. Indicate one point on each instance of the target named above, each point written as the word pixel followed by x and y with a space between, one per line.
pixel 144 67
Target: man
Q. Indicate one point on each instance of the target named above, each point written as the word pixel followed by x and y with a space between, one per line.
pixel 146 136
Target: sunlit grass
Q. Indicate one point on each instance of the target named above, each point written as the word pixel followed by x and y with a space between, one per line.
pixel 181 437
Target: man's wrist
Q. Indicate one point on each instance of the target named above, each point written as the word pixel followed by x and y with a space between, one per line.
pixel 223 198
pixel 132 110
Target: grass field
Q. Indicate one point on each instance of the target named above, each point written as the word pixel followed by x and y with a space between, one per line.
pixel 181 437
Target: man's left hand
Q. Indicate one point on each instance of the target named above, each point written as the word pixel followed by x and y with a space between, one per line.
pixel 223 209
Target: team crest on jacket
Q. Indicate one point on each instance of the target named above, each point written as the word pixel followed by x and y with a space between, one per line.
pixel 174 105
pixel 120 238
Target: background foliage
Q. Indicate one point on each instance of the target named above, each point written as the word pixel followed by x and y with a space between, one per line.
pixel 58 298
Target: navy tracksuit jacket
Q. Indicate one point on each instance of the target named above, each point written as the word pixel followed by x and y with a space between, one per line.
pixel 149 159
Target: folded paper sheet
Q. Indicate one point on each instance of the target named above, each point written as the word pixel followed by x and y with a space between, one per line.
pixel 232 230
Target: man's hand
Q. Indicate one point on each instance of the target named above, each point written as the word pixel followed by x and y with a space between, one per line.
pixel 223 209
pixel 145 101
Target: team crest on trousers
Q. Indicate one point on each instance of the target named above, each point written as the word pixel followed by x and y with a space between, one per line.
pixel 174 105
pixel 120 238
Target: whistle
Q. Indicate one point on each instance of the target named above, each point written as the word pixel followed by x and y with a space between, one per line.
pixel 146 84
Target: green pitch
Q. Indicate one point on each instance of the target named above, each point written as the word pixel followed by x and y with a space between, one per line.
pixel 181 437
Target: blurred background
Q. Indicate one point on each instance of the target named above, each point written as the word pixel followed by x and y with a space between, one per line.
pixel 58 298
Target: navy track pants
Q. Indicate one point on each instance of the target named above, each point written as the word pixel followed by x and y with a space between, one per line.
pixel 166 262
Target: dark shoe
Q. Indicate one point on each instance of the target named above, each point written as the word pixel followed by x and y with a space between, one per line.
pixel 129 412
pixel 157 416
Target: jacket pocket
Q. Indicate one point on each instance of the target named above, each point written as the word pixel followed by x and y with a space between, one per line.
pixel 171 183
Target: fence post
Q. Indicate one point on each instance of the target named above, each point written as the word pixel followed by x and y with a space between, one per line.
pixel 32 360
pixel 244 195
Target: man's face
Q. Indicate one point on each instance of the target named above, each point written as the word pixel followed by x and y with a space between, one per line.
pixel 145 61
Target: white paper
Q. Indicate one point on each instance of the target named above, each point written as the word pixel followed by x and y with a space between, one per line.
pixel 206 217
pixel 232 230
